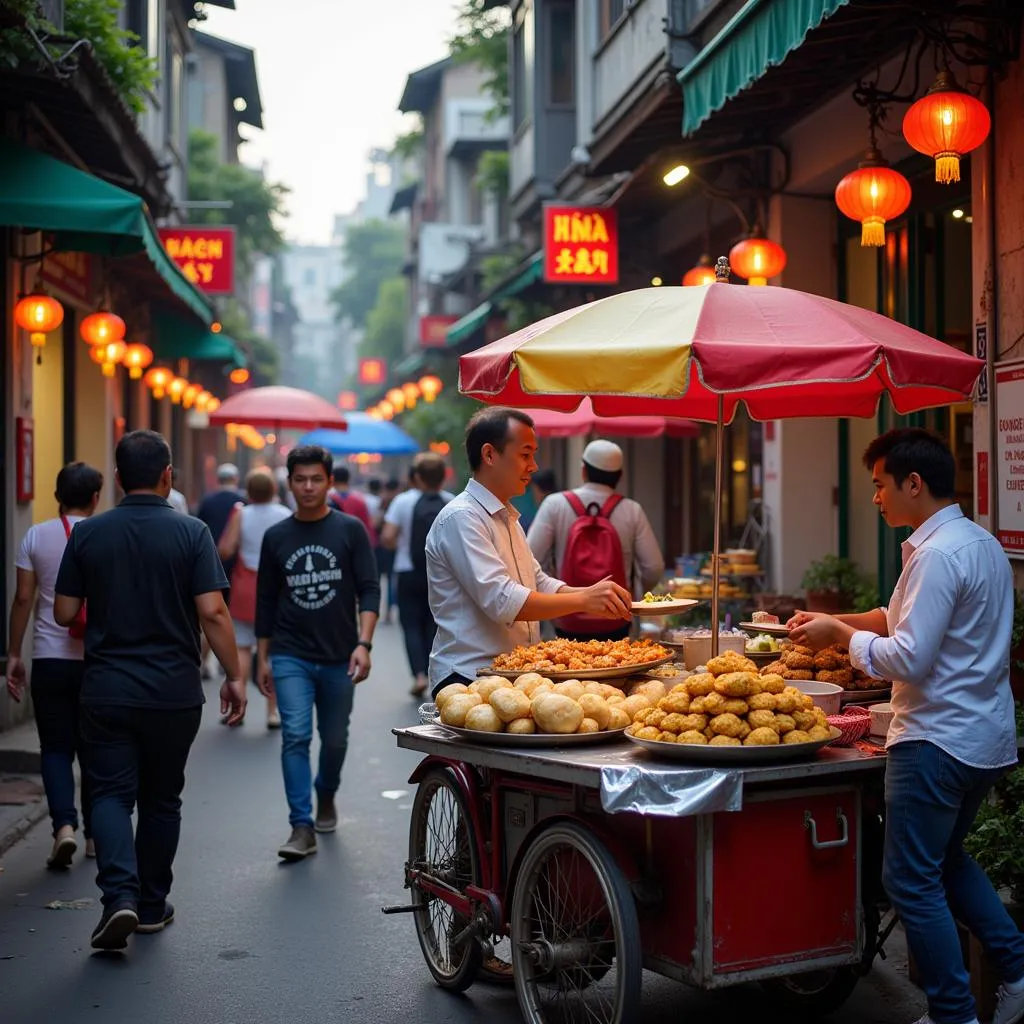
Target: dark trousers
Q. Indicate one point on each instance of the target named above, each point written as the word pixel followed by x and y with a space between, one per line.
pixel 136 755
pixel 615 634
pixel 448 680
pixel 418 625
pixel 56 688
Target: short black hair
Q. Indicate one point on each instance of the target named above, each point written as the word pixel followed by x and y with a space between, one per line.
pixel 490 426
pixel 310 455
pixel 342 475
pixel 77 484
pixel 909 450
pixel 142 457
pixel 392 484
pixel 602 476
pixel 374 485
pixel 544 480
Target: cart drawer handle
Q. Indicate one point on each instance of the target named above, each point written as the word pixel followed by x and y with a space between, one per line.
pixel 832 844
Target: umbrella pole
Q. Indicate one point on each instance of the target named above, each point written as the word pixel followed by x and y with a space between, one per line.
pixel 716 556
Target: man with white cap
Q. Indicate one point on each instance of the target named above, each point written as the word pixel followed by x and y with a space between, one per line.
pixel 573 528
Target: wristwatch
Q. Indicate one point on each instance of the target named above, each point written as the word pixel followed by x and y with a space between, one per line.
pixel 366 644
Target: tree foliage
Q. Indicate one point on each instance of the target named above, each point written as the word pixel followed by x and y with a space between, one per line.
pixel 492 171
pixel 409 144
pixel 482 38
pixel 385 323
pixel 374 251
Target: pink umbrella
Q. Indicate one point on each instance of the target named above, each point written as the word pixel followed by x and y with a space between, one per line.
pixel 280 408
pixel 585 421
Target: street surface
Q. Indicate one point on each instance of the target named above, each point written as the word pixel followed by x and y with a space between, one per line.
pixel 258 941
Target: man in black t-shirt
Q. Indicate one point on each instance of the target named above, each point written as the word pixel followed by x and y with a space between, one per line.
pixel 148 577
pixel 317 571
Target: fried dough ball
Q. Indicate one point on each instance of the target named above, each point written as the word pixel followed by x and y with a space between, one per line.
pixel 556 713
pixel 773 682
pixel 693 736
pixel 667 737
pixel 700 685
pixel 593 687
pixel 650 716
pixel 829 659
pixel 487 685
pixel 570 688
pixel 613 700
pixel 709 734
pixel 725 741
pixel 726 725
pixel 776 668
pixel 762 738
pixel 521 727
pixel 675 723
pixel 457 707
pixel 797 736
pixel 761 719
pixel 730 661
pixel 786 703
pixel 653 688
pixel 528 682
pixel 447 692
pixel 648 732
pixel 820 732
pixel 635 704
pixel 792 659
pixel 804 719
pixel 784 724
pixel 617 718
pixel 677 702
pixel 761 702
pixel 798 673
pixel 698 722
pixel 806 702
pixel 588 725
pixel 596 708
pixel 544 686
pixel 510 703
pixel 840 677
pixel 796 648
pixel 735 706
pixel 819 716
pixel 483 718
pixel 714 703
pixel 736 684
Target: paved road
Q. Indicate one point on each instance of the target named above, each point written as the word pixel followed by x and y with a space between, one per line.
pixel 257 941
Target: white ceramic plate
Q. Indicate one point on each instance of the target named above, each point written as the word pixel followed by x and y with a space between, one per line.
pixel 673 607
pixel 765 627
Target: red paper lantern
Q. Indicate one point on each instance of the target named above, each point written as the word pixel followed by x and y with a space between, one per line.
pixel 101 328
pixel 239 375
pixel 108 356
pixel 945 124
pixel 137 357
pixel 757 259
pixel 158 378
pixel 702 273
pixel 873 194
pixel 176 388
pixel 430 387
pixel 412 393
pixel 38 314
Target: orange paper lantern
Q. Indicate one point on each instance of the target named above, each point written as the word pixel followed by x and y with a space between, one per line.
pixel 38 314
pixel 396 396
pixel 239 375
pixel 137 357
pixel 386 409
pixel 213 405
pixel 702 273
pixel 757 259
pixel 101 328
pixel 945 124
pixel 190 394
pixel 108 356
pixel 158 378
pixel 873 194
pixel 176 389
pixel 411 392
pixel 430 387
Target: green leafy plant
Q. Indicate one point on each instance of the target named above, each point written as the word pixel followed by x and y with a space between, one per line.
pixel 481 37
pixel 1017 636
pixel 996 840
pixel 409 144
pixel 835 575
pixel 492 173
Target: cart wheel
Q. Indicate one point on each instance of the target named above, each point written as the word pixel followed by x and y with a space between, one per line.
pixel 575 937
pixel 442 845
pixel 814 993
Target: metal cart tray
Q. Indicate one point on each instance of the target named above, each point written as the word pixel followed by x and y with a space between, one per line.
pixel 882 693
pixel 738 756
pixel 583 674
pixel 535 739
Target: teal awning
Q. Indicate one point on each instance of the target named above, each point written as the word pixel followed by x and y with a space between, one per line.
pixel 85 214
pixel 532 272
pixel 476 319
pixel 409 365
pixel 759 36
pixel 175 338
pixel 472 322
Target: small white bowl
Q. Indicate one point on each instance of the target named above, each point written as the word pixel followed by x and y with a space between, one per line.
pixel 825 695
pixel 881 718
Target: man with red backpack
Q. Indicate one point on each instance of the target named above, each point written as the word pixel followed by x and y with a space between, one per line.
pixel 593 533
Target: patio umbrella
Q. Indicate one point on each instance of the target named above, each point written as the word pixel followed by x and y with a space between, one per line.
pixel 280 408
pixel 583 420
pixel 699 352
pixel 364 434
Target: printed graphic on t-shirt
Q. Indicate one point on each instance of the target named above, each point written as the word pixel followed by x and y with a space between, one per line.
pixel 311 573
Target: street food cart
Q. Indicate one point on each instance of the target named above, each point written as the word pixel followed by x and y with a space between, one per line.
pixel 598 861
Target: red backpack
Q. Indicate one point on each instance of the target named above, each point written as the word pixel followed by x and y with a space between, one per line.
pixel 593 551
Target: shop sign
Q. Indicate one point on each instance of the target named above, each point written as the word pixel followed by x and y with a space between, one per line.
pixel 206 256
pixel 71 272
pixel 1009 456
pixel 434 330
pixel 25 459
pixel 581 245
pixel 372 371
pixel 348 401
pixel 982 486
pixel 981 351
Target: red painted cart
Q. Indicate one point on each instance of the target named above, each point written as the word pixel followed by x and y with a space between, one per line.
pixel 597 862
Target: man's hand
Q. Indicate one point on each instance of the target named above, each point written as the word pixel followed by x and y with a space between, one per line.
pixel 815 630
pixel 799 618
pixel 16 677
pixel 233 701
pixel 359 664
pixel 607 600
pixel 265 678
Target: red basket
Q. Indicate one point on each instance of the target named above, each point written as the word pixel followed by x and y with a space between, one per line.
pixel 854 724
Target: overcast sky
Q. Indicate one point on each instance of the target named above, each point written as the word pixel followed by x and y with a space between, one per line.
pixel 331 73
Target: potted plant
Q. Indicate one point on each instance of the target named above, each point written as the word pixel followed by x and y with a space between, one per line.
pixel 1017 647
pixel 832 584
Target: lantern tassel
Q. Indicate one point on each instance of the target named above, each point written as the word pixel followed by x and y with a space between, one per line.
pixel 872 231
pixel 757 280
pixel 947 168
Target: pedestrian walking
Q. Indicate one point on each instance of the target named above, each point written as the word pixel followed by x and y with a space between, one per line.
pixel 148 577
pixel 57 658
pixel 317 600
pixel 344 499
pixel 406 524
pixel 944 641
pixel 242 542
pixel 386 557
pixel 372 498
pixel 176 499
pixel 593 532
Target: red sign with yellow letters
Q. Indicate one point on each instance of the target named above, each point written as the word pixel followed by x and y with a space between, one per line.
pixel 581 245
pixel 205 255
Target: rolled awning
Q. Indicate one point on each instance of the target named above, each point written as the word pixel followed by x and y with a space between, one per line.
pixel 175 338
pixel 85 214
pixel 759 36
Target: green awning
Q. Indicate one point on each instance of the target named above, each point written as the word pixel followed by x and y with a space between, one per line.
pixel 85 214
pixel 472 322
pixel 175 338
pixel 476 319
pixel 759 36
pixel 533 271
pixel 409 365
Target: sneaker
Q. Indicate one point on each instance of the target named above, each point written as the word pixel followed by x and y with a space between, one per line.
pixel 90 849
pixel 326 815
pixel 64 847
pixel 149 924
pixel 301 843
pixel 1009 1004
pixel 274 719
pixel 115 926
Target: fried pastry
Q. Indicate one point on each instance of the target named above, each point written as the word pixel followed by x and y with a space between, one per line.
pixel 726 725
pixel 725 741
pixel 693 736
pixel 648 732
pixel 675 702
pixel 736 684
pixel 840 677
pixel 772 682
pixel 762 738
pixel 700 685
pixel 799 673
pixel 794 660
pixel 763 719
pixel 820 732
pixel 797 736
pixel 761 702
pixel 730 661
pixel 784 723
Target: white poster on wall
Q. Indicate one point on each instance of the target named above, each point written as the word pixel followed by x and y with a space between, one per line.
pixel 1009 456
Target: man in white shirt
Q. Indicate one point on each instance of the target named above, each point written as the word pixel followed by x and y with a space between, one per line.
pixel 944 641
pixel 487 592
pixel 643 564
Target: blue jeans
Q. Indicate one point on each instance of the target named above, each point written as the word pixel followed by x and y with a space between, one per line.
pixel 931 800
pixel 300 685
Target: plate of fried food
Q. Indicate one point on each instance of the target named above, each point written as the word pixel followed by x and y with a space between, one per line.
pixel 732 714
pixel 662 604
pixel 561 660
pixel 829 665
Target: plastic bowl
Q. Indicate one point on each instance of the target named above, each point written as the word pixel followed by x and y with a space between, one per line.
pixel 825 695
pixel 881 718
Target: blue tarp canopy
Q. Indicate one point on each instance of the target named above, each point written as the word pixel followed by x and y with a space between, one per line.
pixel 364 434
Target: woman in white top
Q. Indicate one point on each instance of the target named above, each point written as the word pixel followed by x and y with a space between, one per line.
pixel 57 656
pixel 243 536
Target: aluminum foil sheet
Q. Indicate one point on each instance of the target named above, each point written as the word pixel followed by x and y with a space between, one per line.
pixel 670 792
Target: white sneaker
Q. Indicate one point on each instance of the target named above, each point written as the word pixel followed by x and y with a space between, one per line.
pixel 1009 1006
